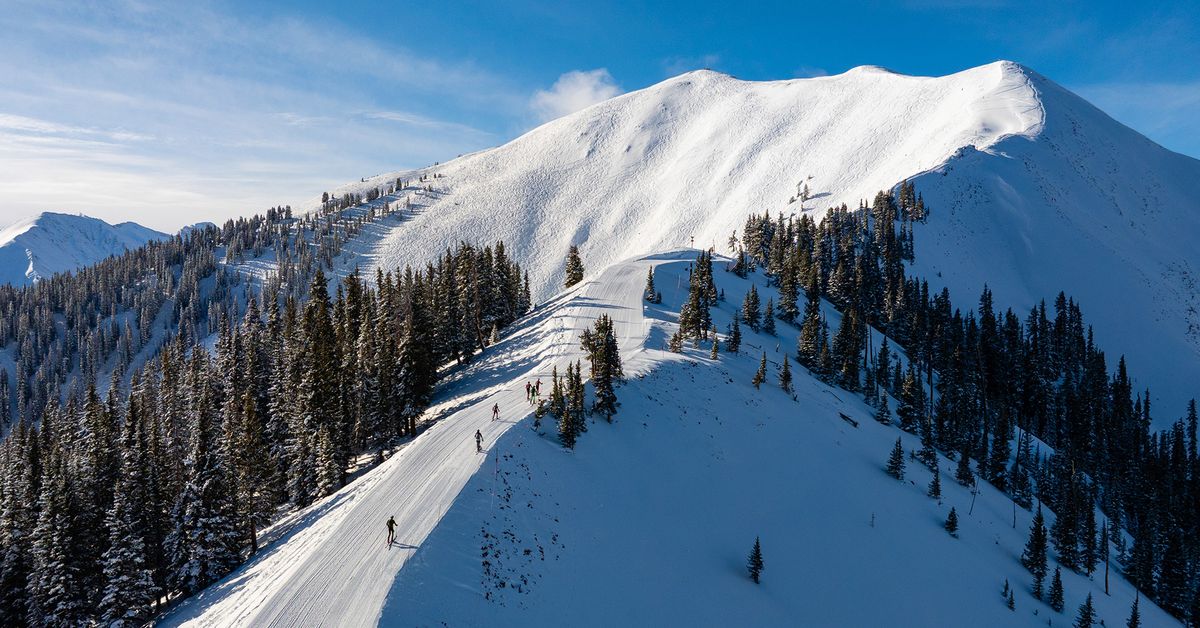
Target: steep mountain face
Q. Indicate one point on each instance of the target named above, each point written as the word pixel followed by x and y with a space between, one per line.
pixel 52 243
pixel 1032 190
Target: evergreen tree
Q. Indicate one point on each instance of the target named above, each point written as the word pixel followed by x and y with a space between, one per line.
pixel 895 465
pixel 1056 591
pixel 733 341
pixel 785 376
pixel 650 293
pixel 716 344
pixel 600 343
pixel 768 321
pixel 750 308
pixel 952 522
pixel 963 472
pixel 1087 614
pixel 760 375
pixel 935 485
pixel 128 587
pixel 574 270
pixel 1034 556
pixel 1135 617
pixel 755 563
pixel 884 414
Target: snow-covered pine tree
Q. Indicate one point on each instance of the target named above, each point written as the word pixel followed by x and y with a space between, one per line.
pixel 128 587
pixel 768 320
pixel 649 293
pixel 785 376
pixel 884 414
pixel 600 343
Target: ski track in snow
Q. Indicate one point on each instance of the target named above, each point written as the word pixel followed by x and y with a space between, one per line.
pixel 334 567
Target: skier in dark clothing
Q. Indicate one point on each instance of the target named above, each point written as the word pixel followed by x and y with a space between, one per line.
pixel 391 526
pixel 528 391
pixel 495 411
pixel 538 386
pixel 478 442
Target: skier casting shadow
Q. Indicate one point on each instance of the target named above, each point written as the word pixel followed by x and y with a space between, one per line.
pixel 495 411
pixel 478 442
pixel 391 526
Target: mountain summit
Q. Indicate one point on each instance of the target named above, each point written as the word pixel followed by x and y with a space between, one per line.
pixel 1032 190
pixel 52 243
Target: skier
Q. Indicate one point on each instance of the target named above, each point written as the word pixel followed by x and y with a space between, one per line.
pixel 478 442
pixel 538 386
pixel 391 526
pixel 495 411
pixel 528 391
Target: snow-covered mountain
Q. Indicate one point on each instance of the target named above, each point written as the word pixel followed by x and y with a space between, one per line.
pixel 1032 191
pixel 52 243
pixel 649 520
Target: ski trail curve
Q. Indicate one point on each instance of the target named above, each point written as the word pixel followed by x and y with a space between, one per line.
pixel 334 567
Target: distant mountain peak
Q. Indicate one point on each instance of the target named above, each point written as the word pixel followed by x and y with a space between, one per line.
pixel 52 242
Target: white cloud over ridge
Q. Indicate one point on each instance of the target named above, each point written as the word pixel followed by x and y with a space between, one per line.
pixel 573 91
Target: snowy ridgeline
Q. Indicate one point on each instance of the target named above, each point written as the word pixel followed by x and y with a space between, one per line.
pixel 52 243
pixel 1032 191
pixel 650 519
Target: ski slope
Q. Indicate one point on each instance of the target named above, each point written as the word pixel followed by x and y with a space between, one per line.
pixel 649 520
pixel 1033 191
pixel 333 567
pixel 52 243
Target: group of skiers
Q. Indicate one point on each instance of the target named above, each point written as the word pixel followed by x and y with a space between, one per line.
pixel 533 392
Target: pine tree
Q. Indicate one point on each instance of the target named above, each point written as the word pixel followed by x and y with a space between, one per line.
pixel 768 321
pixel 1087 614
pixel 750 308
pixel 884 414
pixel 755 563
pixel 952 522
pixel 760 375
pixel 1034 556
pixel 963 472
pixel 650 293
pixel 785 376
pixel 574 269
pixel 600 343
pixel 716 344
pixel 895 465
pixel 1056 591
pixel 733 341
pixel 1135 617
pixel 128 587
pixel 935 485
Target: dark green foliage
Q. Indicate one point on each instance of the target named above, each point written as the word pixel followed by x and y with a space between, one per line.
pixel 1034 556
pixel 1135 616
pixel 600 343
pixel 750 308
pixel 952 522
pixel 733 341
pixel 1055 598
pixel 785 376
pixel 935 485
pixel 760 375
pixel 755 562
pixel 1087 614
pixel 895 464
pixel 573 273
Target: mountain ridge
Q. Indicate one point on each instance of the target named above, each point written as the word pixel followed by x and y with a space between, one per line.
pixel 51 242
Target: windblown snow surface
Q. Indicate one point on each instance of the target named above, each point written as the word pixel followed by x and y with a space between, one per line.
pixel 1033 191
pixel 649 520
pixel 51 243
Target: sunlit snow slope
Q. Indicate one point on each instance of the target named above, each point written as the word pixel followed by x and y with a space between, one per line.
pixel 1032 191
pixel 52 243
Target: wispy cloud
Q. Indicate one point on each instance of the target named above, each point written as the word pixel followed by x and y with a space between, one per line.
pixel 173 114
pixel 574 91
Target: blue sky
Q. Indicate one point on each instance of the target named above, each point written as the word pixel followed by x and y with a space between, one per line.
pixel 170 113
